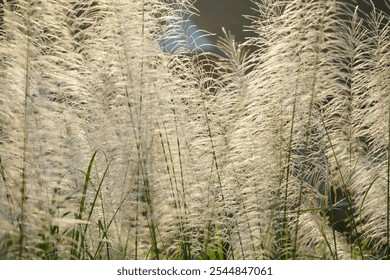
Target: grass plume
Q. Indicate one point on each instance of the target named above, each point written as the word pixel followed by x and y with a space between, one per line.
pixel 272 148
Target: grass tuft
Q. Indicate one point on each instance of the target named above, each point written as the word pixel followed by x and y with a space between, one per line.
pixel 116 146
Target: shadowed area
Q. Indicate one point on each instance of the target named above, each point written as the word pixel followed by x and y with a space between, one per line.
pixel 233 15
pixel 214 15
pixel 211 16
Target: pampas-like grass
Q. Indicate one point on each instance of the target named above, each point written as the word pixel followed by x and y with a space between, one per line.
pixel 111 148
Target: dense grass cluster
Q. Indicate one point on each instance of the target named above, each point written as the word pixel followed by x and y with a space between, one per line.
pixel 111 148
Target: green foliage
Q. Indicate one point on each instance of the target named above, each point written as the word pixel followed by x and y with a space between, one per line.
pixel 112 149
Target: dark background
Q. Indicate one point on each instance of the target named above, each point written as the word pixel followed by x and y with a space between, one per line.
pixel 215 14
